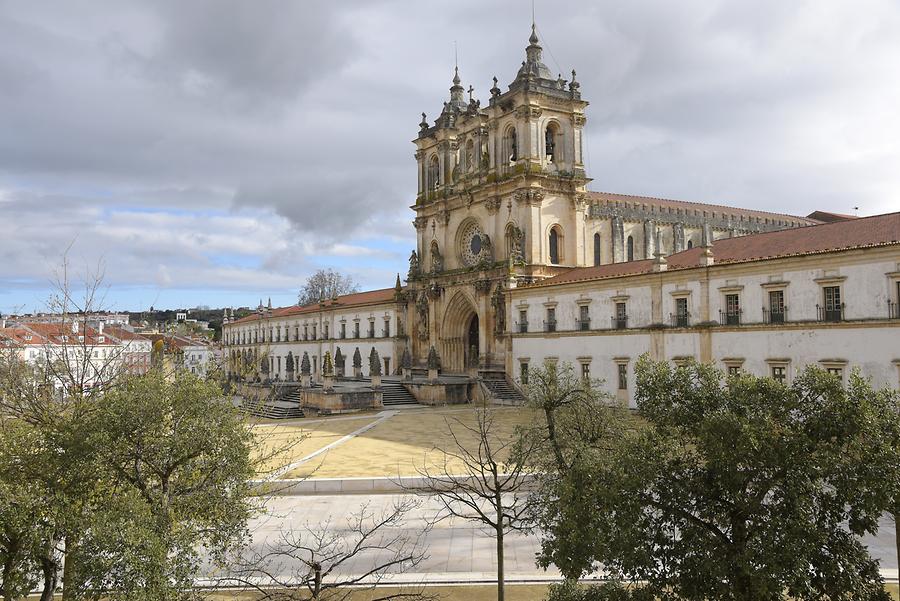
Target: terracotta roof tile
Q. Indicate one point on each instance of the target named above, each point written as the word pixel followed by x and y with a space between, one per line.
pixel 357 299
pixel 878 230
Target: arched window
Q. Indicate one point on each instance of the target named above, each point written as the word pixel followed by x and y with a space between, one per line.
pixel 630 249
pixel 434 173
pixel 550 136
pixel 690 244
pixel 512 151
pixel 555 244
pixel 596 249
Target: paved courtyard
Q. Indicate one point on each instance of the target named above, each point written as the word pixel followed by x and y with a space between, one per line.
pixel 458 550
pixel 383 444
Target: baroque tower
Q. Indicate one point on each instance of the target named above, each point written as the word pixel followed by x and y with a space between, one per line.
pixel 501 200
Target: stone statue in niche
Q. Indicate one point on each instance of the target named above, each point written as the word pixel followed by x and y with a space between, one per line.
pixel 498 303
pixel 413 266
pixel 437 260
pixel 422 311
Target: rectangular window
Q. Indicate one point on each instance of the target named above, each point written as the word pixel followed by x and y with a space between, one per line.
pixel 343 330
pixel 387 328
pixel 315 365
pixel 584 318
pixel 620 321
pixel 315 336
pixel 387 366
pixel 585 371
pixel 305 332
pixel 776 306
pixel 734 370
pixel 833 310
pixel 551 319
pixel 623 376
pixel 356 329
pixel 371 329
pixel 523 373
pixel 837 371
pixel 523 321
pixel 325 336
pixel 296 332
pixel 681 312
pixel 732 309
pixel 779 373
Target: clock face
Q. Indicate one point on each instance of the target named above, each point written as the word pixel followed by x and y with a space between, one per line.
pixel 471 244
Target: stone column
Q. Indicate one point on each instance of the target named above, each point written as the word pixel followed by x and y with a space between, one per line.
pixel 618 239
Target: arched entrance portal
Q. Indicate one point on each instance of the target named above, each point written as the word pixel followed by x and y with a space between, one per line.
pixel 460 331
pixel 472 345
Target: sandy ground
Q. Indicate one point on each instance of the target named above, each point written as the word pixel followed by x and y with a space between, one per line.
pixel 399 445
pixel 282 444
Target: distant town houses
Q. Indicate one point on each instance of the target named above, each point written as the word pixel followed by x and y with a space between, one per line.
pixel 96 346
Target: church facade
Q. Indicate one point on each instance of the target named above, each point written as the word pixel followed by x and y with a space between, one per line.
pixel 502 193
pixel 517 263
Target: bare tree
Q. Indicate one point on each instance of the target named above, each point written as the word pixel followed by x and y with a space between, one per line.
pixel 326 284
pixel 330 563
pixel 483 480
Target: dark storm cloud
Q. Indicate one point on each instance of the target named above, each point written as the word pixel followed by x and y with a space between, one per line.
pixel 285 125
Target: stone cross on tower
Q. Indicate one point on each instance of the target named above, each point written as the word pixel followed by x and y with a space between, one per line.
pixel 470 91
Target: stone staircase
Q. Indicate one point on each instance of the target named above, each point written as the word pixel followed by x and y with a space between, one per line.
pixel 287 406
pixel 394 394
pixel 503 392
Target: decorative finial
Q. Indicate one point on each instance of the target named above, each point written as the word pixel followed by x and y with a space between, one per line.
pixel 424 123
pixel 533 38
pixel 495 91
pixel 456 78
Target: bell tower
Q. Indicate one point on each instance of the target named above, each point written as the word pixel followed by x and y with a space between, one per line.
pixel 500 200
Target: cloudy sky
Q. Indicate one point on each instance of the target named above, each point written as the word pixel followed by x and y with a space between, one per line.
pixel 218 151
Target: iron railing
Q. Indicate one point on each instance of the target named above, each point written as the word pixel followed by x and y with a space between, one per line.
pixel 832 313
pixel 774 315
pixel 583 324
pixel 550 325
pixel 620 322
pixel 680 320
pixel 730 318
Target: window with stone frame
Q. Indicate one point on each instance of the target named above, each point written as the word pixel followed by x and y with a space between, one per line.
pixel 371 328
pixel 387 327
pixel 620 319
pixel 682 317
pixel 305 332
pixel 314 334
pixel 597 248
pixel 629 249
pixel 387 366
pixel 777 309
pixel 623 375
pixel 732 309
pixel 356 329
pixel 551 319
pixel 555 244
pixel 833 308
pixel 343 330
pixel 779 373
pixel 523 321
pixel 584 318
pixel 585 370
pixel 523 372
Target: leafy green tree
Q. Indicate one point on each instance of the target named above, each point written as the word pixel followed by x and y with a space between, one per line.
pixel 581 427
pixel 181 455
pixel 745 488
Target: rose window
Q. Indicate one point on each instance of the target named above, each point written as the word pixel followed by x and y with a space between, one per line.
pixel 472 244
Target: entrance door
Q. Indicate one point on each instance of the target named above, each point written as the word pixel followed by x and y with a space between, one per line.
pixel 472 347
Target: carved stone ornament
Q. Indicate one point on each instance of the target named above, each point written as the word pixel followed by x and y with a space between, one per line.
pixel 492 205
pixel 434 291
pixel 437 260
pixel 422 315
pixel 498 303
pixel 421 223
pixel 482 286
pixel 434 361
pixel 413 266
pixel 529 196
pixel 578 120
pixel 579 202
pixel 443 216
